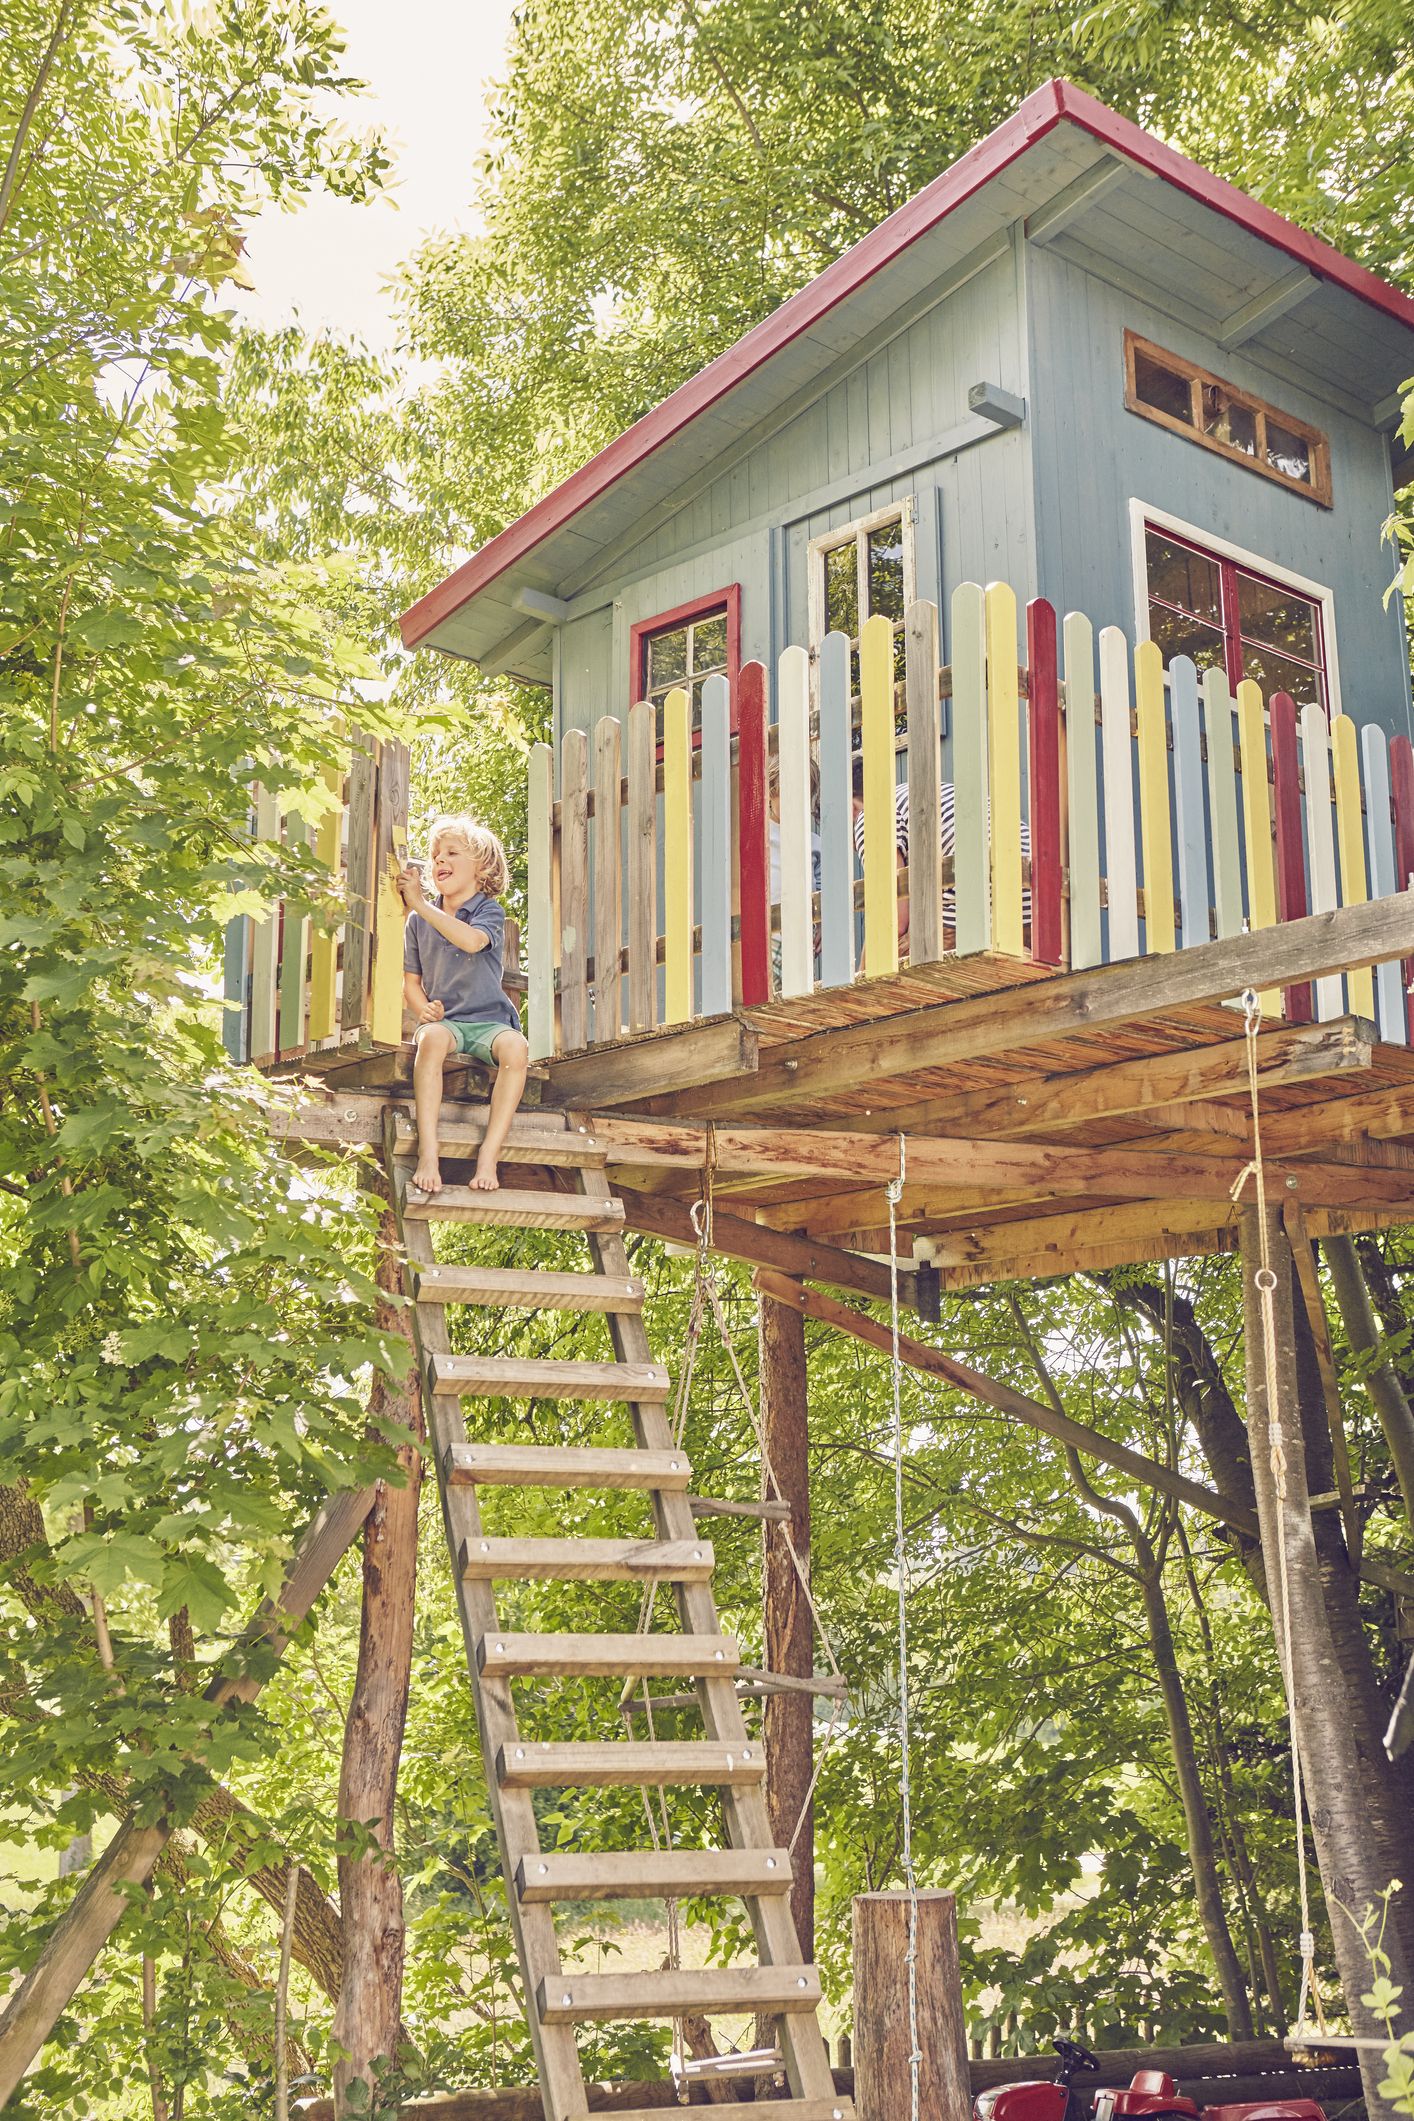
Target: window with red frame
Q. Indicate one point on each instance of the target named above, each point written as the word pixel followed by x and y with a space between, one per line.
pixel 1221 612
pixel 684 648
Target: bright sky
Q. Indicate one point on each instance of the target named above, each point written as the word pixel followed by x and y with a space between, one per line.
pixel 430 66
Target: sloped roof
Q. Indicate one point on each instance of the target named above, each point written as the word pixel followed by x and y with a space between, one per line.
pixel 1355 331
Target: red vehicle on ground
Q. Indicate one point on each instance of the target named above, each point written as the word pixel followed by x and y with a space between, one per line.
pixel 1150 2094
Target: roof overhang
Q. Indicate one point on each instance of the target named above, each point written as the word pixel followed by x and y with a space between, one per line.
pixel 1056 165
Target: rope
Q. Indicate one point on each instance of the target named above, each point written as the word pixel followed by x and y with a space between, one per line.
pixel 894 1191
pixel 1265 1283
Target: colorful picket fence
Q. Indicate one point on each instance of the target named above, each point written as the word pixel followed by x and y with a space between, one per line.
pixel 296 990
pixel 717 870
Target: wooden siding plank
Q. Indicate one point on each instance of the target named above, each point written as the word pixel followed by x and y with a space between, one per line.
pixel 358 877
pixel 1004 764
pixel 294 946
pixel 642 870
pixel 1043 728
pixel 235 971
pixel 752 819
pixel 1354 875
pixel 1225 840
pixel 1257 820
pixel 385 1000
pixel 972 916
pixel 1121 870
pixel 1401 777
pixel 608 880
pixel 1291 862
pixel 925 775
pixel 265 948
pixel 677 857
pixel 876 687
pixel 793 822
pixel 716 855
pixel 1320 835
pixel 1190 828
pixel 836 816
pixel 1384 880
pixel 1082 793
pixel 324 943
pixel 574 890
pixel 540 904
pixel 1156 824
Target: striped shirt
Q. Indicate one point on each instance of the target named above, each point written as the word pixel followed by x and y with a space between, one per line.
pixel 949 843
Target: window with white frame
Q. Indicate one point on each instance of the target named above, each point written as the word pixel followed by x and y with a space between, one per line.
pixel 1234 611
pixel 860 571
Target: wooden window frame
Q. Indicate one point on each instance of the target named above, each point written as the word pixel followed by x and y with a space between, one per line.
pixel 1231 560
pixel 1317 489
pixel 711 606
pixel 905 514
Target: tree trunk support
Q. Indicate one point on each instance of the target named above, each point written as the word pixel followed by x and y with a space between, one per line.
pixel 882 2079
pixel 1329 1761
pixel 789 1633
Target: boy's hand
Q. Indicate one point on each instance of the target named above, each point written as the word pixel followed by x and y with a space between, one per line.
pixel 430 1012
pixel 410 886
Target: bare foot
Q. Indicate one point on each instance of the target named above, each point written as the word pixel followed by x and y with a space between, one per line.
pixel 486 1178
pixel 428 1176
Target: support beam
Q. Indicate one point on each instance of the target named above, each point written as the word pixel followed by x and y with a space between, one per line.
pixel 653 1065
pixel 128 1862
pixel 738 1239
pixel 1078 197
pixel 1073 1005
pixel 882 2030
pixel 1265 308
pixel 789 1632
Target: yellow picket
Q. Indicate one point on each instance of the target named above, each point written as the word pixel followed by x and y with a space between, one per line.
pixel 1004 735
pixel 1257 820
pixel 1154 817
pixel 1350 823
pixel 677 857
pixel 324 944
pixel 876 711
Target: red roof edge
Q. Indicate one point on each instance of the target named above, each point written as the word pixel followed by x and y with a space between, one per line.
pixel 1030 122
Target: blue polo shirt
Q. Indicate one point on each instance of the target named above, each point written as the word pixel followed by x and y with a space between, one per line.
pixel 468 984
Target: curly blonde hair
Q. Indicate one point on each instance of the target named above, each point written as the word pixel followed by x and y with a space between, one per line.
pixel 493 871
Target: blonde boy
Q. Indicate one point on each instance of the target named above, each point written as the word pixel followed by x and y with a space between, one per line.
pixel 452 965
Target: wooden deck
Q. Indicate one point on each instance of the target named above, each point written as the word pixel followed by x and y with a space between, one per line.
pixel 1050 1122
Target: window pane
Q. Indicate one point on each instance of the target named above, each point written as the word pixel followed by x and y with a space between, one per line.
pixel 1228 420
pixel 886 571
pixel 841 591
pixel 1276 673
pixel 1183 577
pixel 1162 388
pixel 1177 634
pixel 667 658
pixel 1288 452
pixel 1277 618
pixel 709 644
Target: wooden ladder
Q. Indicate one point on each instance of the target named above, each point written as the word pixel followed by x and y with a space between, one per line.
pixel 557 2000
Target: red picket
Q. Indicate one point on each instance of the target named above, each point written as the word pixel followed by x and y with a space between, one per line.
pixel 754 858
pixel 1401 777
pixel 1044 777
pixel 1291 860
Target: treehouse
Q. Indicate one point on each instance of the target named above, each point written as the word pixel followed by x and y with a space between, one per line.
pixel 1163 931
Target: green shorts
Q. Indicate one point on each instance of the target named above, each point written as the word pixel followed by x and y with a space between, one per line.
pixel 476 1040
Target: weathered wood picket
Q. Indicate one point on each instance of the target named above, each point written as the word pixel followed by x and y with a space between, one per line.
pixel 299 991
pixel 1162 811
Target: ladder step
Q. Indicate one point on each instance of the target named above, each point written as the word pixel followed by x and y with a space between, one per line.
pixel 506 1210
pixel 533 1139
pixel 609 1656
pixel 670 1874
pixel 570 1999
pixel 586 1560
pixel 513 1289
pixel 620 1763
pixel 516 1377
pixel 469 1465
pixel 837 2109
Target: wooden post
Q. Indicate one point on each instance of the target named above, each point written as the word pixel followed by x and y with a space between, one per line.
pixel 789 1635
pixel 882 2083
